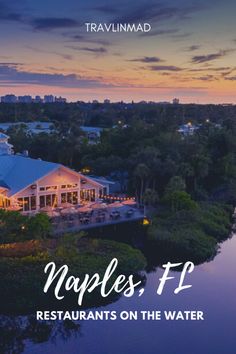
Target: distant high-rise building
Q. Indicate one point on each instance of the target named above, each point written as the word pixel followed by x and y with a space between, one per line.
pixel 175 101
pixel 9 99
pixel 38 99
pixel 60 99
pixel 49 99
pixel 25 99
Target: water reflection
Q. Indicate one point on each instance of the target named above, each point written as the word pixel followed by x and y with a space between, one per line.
pixel 213 292
pixel 15 331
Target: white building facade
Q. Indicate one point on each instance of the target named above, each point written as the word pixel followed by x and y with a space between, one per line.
pixel 31 185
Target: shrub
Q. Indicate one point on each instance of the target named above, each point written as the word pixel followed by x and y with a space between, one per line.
pixel 16 227
pixel 180 200
pixel 193 232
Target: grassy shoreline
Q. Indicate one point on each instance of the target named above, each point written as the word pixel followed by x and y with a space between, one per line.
pixel 22 277
pixel 193 234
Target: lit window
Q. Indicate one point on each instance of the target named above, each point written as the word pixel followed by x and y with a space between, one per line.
pixel 51 188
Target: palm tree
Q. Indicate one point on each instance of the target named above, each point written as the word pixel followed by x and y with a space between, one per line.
pixel 150 198
pixel 142 172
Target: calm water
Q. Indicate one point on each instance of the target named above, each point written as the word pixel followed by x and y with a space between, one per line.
pixel 213 291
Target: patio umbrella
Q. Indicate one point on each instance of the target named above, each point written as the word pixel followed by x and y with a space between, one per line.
pixel 53 214
pixel 83 209
pixel 129 202
pixel 115 205
pixel 99 206
pixel 67 205
pixel 68 211
pixel 46 209
pixel 14 208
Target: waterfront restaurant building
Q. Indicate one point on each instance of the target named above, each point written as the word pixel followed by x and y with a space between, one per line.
pixel 32 184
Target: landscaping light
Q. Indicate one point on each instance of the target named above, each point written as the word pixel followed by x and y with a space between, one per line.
pixel 146 221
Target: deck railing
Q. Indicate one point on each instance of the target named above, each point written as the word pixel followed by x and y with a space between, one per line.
pixel 96 218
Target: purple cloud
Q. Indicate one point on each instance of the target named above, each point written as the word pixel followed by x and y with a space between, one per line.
pixel 198 59
pixel 10 74
pixel 165 68
pixel 147 60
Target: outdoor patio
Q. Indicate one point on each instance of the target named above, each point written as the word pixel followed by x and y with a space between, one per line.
pixel 68 217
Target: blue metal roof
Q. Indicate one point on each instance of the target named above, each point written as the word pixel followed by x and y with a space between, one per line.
pixel 3 136
pixel 17 172
pixel 91 129
pixel 4 185
pixel 101 180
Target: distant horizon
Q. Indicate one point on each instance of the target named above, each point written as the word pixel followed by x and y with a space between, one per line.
pixel 101 100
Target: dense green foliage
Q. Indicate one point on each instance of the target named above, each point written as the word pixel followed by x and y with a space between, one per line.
pixel 106 115
pixel 140 145
pixel 193 233
pixel 22 278
pixel 15 227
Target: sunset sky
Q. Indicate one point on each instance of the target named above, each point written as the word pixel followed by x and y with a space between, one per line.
pixel 189 53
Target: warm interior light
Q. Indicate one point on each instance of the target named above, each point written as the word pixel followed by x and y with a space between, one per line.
pixel 146 221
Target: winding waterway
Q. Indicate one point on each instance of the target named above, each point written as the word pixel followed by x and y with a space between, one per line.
pixel 213 291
